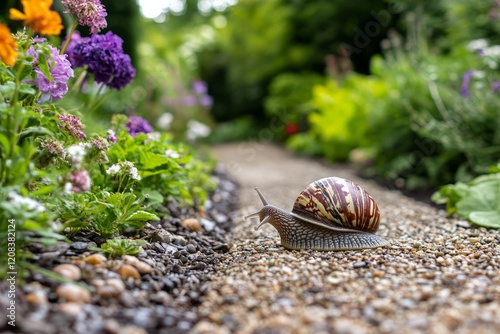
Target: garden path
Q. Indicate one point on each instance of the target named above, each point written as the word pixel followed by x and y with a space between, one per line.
pixel 439 275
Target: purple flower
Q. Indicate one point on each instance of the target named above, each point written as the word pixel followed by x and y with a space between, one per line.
pixel 90 13
pixel 138 125
pixel 189 100
pixel 111 136
pixel 199 87
pixel 103 54
pixel 75 39
pixel 466 79
pixel 79 181
pixel 206 100
pixel 73 125
pixel 495 86
pixel 60 70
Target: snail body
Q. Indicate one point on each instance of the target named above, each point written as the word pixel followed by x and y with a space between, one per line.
pixel 330 214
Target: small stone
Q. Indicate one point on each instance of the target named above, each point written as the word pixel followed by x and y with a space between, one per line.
pixel 193 224
pixel 79 246
pixel 96 260
pixel 179 240
pixel 141 266
pixel 37 297
pixel 407 303
pixel 73 293
pixel 191 248
pixel 126 271
pixel 161 236
pixel 69 271
pixel 464 224
pixel 474 240
pixel 207 225
pixel 223 247
pixel 359 264
pixel 111 288
pixel 260 249
pixel 71 308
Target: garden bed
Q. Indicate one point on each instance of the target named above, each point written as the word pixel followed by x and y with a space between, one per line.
pixel 178 262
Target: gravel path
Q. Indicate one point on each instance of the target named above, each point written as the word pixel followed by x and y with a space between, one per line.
pixel 439 275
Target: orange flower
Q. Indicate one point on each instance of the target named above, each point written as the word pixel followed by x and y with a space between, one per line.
pixel 8 46
pixel 39 17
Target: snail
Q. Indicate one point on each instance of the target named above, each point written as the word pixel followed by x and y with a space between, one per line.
pixel 330 214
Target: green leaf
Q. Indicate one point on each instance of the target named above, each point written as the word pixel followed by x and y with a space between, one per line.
pixel 152 160
pixel 486 218
pixel 43 191
pixel 154 197
pixel 141 215
pixel 26 89
pixel 481 204
pixel 4 142
pixel 44 66
pixel 36 130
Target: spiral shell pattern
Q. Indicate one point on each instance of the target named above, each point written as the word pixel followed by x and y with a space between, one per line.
pixel 336 201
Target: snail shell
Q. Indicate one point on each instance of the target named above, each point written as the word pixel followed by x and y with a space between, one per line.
pixel 338 204
pixel 330 214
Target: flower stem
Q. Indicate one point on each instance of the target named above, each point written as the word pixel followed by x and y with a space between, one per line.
pixel 68 37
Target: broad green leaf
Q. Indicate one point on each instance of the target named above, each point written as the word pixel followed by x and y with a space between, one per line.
pixel 152 160
pixel 154 197
pixel 141 215
pixel 486 218
pixel 482 202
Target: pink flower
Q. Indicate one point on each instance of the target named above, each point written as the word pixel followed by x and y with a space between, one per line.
pixel 111 136
pixel 80 181
pixel 73 125
pixel 90 13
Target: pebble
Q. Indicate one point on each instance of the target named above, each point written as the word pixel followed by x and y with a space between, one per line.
pixel 110 288
pixel 193 224
pixel 37 297
pixel 96 260
pixel 73 293
pixel 126 271
pixel 141 266
pixel 69 271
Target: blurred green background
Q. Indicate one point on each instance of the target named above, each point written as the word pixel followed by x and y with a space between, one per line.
pixel 380 83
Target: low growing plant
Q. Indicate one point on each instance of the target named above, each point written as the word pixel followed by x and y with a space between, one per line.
pixel 56 178
pixel 117 247
pixel 477 201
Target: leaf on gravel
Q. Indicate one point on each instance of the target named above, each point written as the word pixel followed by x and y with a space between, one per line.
pixel 481 203
pixel 142 216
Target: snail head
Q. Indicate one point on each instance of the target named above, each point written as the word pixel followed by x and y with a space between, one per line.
pixel 264 214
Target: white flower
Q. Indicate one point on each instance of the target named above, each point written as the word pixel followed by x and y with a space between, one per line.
pixel 19 201
pixel 477 44
pixel 492 51
pixel 67 187
pixel 134 174
pixel 172 154
pixel 113 170
pixel 153 136
pixel 76 152
pixel 196 130
pixel 164 121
